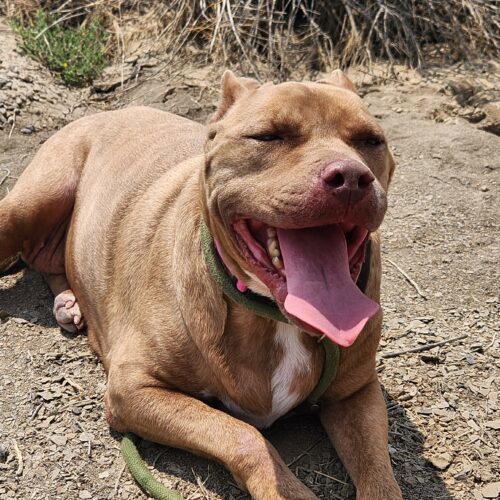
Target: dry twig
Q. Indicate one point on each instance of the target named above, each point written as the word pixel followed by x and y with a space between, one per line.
pixel 19 456
pixel 305 452
pixel 424 347
pixel 117 482
pixel 330 477
pixel 6 176
pixel 410 280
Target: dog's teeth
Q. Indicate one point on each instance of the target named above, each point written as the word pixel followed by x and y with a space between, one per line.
pixel 271 232
pixel 273 247
pixel 277 263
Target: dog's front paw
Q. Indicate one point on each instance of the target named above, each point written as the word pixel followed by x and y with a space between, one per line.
pixel 67 312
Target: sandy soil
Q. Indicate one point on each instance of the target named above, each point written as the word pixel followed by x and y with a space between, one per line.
pixel 441 254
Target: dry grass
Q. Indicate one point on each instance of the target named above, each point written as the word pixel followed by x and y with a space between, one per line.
pixel 274 36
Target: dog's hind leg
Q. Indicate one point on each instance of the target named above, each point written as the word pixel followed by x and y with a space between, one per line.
pixel 35 216
pixel 66 309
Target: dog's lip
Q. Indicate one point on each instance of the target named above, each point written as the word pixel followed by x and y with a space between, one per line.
pixel 250 236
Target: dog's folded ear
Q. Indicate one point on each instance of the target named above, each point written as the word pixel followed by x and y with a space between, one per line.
pixel 232 88
pixel 339 79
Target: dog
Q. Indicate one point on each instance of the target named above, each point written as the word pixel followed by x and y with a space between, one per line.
pixel 286 187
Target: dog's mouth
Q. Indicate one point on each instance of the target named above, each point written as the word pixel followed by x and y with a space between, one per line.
pixel 311 273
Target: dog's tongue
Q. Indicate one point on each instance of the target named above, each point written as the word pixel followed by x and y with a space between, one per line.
pixel 321 292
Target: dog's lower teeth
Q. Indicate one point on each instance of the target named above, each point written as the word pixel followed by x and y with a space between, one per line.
pixel 277 262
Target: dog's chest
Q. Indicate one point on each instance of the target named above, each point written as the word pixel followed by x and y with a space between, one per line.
pixel 293 366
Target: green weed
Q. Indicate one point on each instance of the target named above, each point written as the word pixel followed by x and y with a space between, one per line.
pixel 77 54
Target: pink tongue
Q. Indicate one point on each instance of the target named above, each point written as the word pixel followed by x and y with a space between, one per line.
pixel 321 292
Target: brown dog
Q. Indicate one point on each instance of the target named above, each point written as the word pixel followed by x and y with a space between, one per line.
pixel 292 187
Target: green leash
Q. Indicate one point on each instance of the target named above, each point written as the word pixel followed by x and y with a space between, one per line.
pixel 141 473
pixel 262 306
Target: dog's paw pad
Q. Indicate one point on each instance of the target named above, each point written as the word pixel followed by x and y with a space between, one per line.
pixel 67 312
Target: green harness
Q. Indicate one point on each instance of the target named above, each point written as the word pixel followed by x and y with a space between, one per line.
pixel 262 306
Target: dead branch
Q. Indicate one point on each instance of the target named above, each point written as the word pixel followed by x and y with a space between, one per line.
pixel 424 347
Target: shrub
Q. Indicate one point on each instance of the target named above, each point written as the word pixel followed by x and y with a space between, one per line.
pixel 77 54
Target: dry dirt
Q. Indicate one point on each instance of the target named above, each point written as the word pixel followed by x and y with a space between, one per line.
pixel 441 284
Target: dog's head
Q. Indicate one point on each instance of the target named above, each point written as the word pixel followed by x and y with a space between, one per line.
pixel 295 180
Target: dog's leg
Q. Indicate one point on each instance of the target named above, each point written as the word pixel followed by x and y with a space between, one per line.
pixel 66 309
pixel 10 240
pixel 178 420
pixel 357 427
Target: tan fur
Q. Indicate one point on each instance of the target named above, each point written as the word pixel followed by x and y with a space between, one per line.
pixel 121 195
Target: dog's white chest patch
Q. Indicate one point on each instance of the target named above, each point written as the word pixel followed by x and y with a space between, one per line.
pixel 294 362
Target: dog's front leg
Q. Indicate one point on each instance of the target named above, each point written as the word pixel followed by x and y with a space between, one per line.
pixel 178 420
pixel 357 427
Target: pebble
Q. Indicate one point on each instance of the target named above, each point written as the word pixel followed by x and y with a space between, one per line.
pixel 27 130
pixel 19 321
pixel 491 490
pixel 58 440
pixel 4 453
pixel 441 462
pixel 494 424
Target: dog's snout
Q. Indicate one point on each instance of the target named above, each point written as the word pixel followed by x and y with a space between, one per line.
pixel 347 179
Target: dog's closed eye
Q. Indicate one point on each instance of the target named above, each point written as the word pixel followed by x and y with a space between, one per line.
pixel 266 137
pixel 368 140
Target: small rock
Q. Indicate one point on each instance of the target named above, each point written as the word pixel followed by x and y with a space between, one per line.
pixel 59 440
pixel 28 130
pixel 19 321
pixel 4 453
pixel 441 462
pixel 470 359
pixel 85 495
pixel 493 424
pixel 477 495
pixel 484 189
pixel 463 474
pixel 414 324
pixel 491 490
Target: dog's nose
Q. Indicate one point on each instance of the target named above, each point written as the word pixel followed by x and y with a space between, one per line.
pixel 348 180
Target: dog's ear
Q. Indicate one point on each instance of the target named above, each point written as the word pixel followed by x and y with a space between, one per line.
pixel 339 79
pixel 232 88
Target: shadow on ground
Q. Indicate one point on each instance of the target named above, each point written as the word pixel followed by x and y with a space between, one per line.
pixel 25 296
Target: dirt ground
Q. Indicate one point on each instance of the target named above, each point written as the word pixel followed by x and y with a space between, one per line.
pixel 441 284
